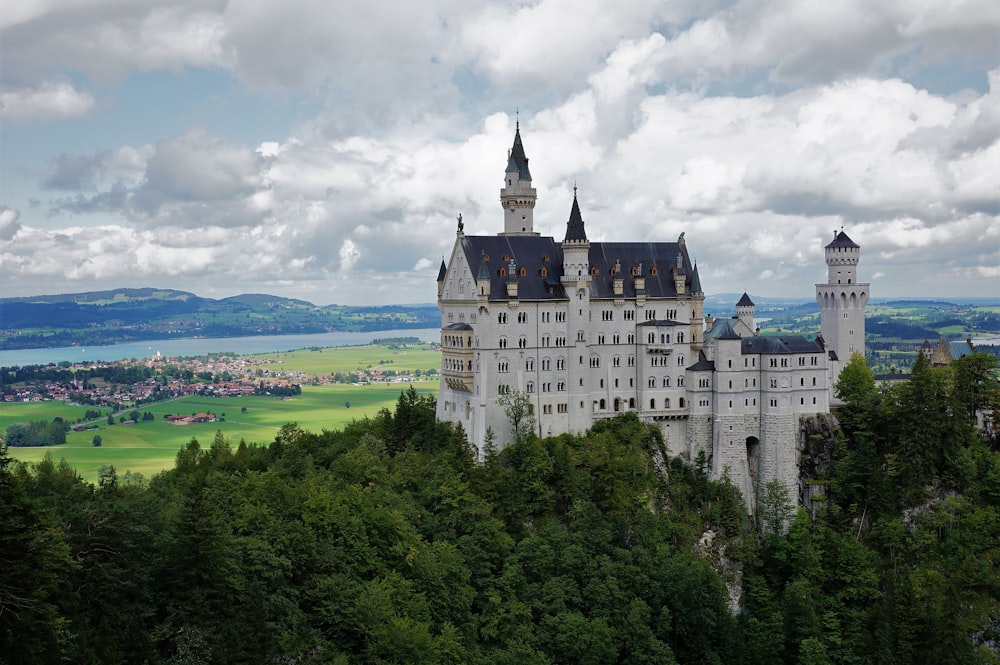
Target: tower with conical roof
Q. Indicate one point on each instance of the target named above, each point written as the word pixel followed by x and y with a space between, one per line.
pixel 842 302
pixel 517 195
pixel 576 281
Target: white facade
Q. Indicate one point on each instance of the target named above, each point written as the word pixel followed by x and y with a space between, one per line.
pixel 591 330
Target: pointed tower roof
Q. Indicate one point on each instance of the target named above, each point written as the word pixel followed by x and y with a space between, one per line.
pixel 696 281
pixel 484 268
pixel 574 227
pixel 518 161
pixel 745 301
pixel 842 240
pixel 442 271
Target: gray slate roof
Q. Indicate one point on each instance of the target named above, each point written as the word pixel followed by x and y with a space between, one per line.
pixel 518 161
pixel 781 345
pixel 842 240
pixel 658 260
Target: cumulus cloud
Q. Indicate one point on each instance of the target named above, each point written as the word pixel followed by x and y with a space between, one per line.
pixel 46 102
pixel 756 127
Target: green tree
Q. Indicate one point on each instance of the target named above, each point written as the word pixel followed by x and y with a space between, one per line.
pixel 520 413
pixel 97 441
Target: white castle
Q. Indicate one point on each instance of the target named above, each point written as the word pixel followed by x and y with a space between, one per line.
pixel 588 330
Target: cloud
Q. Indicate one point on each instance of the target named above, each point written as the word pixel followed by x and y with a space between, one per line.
pixel 46 102
pixel 8 223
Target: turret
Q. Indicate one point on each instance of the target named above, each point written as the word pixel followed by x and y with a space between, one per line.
pixel 442 271
pixel 518 196
pixel 745 310
pixel 483 279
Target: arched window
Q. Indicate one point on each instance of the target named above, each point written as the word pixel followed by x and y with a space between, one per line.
pixel 652 403
pixel 603 405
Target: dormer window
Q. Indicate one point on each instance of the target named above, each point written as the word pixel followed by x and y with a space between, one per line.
pixel 593 270
pixel 503 271
pixel 522 272
pixel 544 271
pixel 653 271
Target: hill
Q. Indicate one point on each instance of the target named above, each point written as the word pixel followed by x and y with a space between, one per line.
pixel 121 315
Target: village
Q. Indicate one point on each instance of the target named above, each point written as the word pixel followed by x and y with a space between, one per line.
pixel 126 384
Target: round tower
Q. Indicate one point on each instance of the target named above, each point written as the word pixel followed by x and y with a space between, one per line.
pixel 842 301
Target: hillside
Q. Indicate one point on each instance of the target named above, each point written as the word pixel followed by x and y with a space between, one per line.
pixel 121 315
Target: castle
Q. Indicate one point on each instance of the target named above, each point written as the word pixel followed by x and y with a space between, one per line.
pixel 587 330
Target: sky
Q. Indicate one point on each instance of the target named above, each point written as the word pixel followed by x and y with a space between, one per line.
pixel 322 149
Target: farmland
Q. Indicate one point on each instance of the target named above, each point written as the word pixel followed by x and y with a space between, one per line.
pixel 372 378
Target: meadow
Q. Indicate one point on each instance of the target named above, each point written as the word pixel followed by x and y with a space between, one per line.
pixel 151 446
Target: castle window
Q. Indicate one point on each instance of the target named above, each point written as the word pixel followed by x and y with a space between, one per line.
pixel 560 363
pixel 666 403
pixel 502 317
pixel 814 380
pixel 593 270
pixel 680 338
pixel 522 343
pixel 545 340
pixel 503 271
pixel 631 361
pixel 680 381
pixel 522 272
pixel 631 402
pixel 561 386
pixel 602 405
pixel 503 342
pixel 529 364
pixel 600 339
pixel 680 360
pixel 681 403
pixel 530 387
pixel 666 382
pixel 616 339
pixel 544 271
pixel 631 338
pixel 652 382
pixel 653 271
pixel 546 364
pixel 652 403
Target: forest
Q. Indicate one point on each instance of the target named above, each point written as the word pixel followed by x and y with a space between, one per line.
pixel 389 542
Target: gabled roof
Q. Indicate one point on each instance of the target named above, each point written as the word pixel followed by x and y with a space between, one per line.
pixel 442 271
pixel 518 162
pixel 842 240
pixel 745 301
pixel 541 257
pixel 780 345
pixel 722 329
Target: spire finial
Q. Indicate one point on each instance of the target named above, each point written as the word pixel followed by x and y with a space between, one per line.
pixel 574 188
pixel 517 119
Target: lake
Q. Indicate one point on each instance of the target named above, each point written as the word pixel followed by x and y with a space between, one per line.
pixel 201 346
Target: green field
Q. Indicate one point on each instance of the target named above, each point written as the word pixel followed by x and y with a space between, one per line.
pixel 349 358
pixel 149 447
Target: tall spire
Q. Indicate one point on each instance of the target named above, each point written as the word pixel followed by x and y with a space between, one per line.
pixel 518 196
pixel 574 227
pixel 517 162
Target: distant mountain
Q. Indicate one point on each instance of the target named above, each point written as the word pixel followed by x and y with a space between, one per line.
pixel 120 315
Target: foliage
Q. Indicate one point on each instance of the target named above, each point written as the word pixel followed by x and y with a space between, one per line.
pixel 386 541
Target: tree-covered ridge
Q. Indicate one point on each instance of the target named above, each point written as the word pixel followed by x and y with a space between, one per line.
pixel 388 542
pixel 121 315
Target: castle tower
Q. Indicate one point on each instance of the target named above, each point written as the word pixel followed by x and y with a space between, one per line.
pixel 745 310
pixel 518 196
pixel 842 302
pixel 576 280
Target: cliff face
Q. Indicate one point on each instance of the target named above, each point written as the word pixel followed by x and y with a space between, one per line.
pixel 817 437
